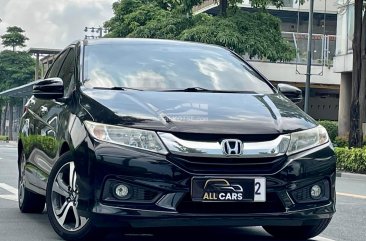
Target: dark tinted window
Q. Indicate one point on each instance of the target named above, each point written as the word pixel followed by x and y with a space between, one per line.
pixel 55 68
pixel 169 66
pixel 67 72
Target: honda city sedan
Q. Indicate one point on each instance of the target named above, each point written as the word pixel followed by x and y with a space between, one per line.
pixel 135 133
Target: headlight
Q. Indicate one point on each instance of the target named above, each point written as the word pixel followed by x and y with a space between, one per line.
pixel 136 138
pixel 307 139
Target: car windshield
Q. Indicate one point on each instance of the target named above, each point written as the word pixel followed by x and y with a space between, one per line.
pixel 164 67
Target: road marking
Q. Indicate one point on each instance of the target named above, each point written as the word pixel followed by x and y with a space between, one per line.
pixel 9 188
pixel 351 195
pixel 323 239
pixel 13 190
pixel 10 197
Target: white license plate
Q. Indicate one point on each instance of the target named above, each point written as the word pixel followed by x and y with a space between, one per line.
pixel 228 189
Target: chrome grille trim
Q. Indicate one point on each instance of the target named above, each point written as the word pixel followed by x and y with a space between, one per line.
pixel 273 148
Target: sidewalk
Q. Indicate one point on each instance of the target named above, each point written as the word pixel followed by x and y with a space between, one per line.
pixel 9 143
pixel 361 177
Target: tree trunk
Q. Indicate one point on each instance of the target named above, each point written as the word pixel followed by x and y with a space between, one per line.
pixel 11 114
pixel 362 96
pixel 355 135
pixel 223 7
pixel 4 120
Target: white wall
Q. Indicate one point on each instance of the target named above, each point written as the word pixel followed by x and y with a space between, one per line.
pixel 282 72
pixel 319 6
pixel 343 63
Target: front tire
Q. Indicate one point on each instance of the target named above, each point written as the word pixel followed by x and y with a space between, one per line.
pixel 298 232
pixel 28 201
pixel 62 202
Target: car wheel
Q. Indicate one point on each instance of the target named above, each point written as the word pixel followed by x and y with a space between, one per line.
pixel 62 202
pixel 298 232
pixel 28 201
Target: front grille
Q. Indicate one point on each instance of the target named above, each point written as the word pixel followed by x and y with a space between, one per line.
pixel 213 165
pixel 272 205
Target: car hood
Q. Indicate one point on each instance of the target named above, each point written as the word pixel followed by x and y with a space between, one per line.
pixel 196 112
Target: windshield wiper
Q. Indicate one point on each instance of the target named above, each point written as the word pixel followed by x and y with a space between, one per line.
pixel 197 89
pixel 190 89
pixel 115 88
pixel 200 89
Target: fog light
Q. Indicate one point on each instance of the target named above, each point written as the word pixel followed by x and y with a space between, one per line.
pixel 316 191
pixel 121 191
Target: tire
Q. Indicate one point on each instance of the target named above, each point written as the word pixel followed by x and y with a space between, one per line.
pixel 62 203
pixel 298 232
pixel 28 201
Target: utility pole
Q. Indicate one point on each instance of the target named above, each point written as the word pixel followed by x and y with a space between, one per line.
pixel 93 30
pixel 308 66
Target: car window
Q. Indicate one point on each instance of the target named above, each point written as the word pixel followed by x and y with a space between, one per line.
pixel 55 68
pixel 67 72
pixel 169 67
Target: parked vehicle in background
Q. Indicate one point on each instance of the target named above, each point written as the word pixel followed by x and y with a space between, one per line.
pixel 158 133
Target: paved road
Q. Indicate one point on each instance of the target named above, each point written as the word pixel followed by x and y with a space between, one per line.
pixel 347 225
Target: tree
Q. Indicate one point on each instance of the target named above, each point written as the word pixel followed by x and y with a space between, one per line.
pixel 183 6
pixel 255 34
pixel 14 37
pixel 357 115
pixel 16 68
pixel 261 4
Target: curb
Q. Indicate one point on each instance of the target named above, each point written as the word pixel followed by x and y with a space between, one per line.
pixel 12 143
pixel 351 175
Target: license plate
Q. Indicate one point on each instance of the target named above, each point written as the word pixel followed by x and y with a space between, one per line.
pixel 219 189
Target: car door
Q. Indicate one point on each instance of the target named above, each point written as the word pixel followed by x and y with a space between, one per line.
pixel 48 113
pixel 37 166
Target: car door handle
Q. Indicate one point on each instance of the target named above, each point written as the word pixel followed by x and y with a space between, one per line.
pixel 44 110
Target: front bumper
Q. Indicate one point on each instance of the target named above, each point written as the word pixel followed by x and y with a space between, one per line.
pixel 172 205
pixel 112 216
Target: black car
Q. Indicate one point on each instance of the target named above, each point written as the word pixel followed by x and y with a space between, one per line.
pixel 132 133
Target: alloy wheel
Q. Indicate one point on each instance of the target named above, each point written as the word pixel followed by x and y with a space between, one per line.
pixel 65 197
pixel 21 186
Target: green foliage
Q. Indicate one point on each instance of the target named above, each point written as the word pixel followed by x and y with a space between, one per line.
pixel 4 138
pixel 165 26
pixel 255 34
pixel 261 36
pixel 14 37
pixel 351 160
pixel 182 6
pixel 332 128
pixel 16 68
pixel 207 32
pixel 340 141
pixel 264 3
pixel 46 143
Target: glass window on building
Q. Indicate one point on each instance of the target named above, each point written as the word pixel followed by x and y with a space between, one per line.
pixel 345 27
pixel 351 27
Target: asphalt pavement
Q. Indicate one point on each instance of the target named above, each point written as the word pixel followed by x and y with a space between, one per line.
pixel 348 224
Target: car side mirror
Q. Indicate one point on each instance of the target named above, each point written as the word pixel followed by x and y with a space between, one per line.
pixel 52 88
pixel 291 92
